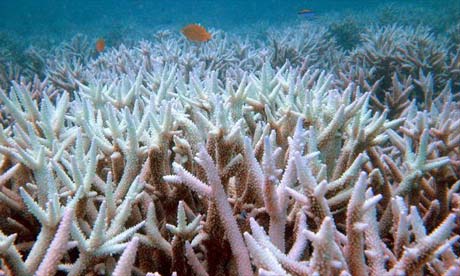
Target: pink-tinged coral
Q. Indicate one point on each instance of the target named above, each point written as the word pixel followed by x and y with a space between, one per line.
pixel 127 259
pixel 58 246
pixel 178 159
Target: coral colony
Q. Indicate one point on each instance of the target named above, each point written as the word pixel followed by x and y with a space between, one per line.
pixel 233 156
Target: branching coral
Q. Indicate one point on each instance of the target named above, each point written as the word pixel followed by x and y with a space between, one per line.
pixel 172 158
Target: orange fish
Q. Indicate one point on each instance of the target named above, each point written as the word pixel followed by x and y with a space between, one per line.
pixel 196 33
pixel 100 45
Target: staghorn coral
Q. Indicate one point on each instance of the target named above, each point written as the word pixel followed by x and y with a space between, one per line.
pixel 302 45
pixel 173 158
pixel 406 52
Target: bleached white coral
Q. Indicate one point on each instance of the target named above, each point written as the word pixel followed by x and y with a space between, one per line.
pixel 208 167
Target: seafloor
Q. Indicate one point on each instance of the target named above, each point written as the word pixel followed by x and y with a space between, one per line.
pixel 326 146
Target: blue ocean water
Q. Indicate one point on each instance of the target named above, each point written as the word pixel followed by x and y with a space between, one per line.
pixel 47 23
pixel 63 18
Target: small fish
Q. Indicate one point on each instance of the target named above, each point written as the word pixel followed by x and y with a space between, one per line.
pixel 100 45
pixel 196 33
pixel 306 13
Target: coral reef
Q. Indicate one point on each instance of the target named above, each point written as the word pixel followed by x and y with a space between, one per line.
pixel 346 32
pixel 288 156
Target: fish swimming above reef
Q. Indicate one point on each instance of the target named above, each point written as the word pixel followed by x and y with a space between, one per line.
pixel 100 45
pixel 306 13
pixel 196 33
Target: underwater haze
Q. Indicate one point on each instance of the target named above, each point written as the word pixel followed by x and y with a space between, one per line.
pixel 45 24
pixel 27 25
pixel 66 17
